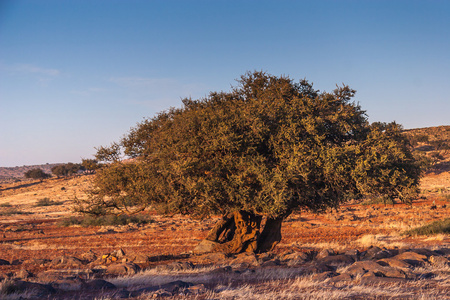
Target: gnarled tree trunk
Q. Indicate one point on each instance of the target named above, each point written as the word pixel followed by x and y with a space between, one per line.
pixel 240 232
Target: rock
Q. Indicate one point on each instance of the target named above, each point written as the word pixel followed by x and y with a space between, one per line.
pixel 205 246
pixel 98 284
pixel 167 289
pixel 337 260
pixel 4 262
pixel 370 253
pixel 297 256
pixel 122 269
pixel 410 255
pixel 271 263
pixel 30 288
pixel 353 253
pixel 362 267
pixel 66 261
pixel 412 258
pixel 215 258
pixel 313 268
pixel 393 262
pixel 325 253
pixel 22 274
pixel 137 258
pixel 438 261
pixel 245 258
pixel 323 276
pixel 88 256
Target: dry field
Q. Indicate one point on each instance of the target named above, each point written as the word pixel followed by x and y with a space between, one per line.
pixel 32 238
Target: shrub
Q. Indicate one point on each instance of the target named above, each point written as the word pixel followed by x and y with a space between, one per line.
pixel 436 227
pixel 36 174
pixel 47 202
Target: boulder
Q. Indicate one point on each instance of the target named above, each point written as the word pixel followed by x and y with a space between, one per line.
pixel 122 269
pixel 98 284
pixel 205 246
pixel 32 289
pixel 336 260
pixel 325 253
pixel 363 267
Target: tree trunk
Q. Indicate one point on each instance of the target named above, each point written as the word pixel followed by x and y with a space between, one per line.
pixel 240 232
pixel 271 235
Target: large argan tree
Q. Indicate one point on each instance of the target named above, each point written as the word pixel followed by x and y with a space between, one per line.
pixel 254 155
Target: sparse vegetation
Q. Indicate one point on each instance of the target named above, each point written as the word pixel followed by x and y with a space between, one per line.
pixel 6 204
pixel 47 202
pixel 436 227
pixel 12 211
pixel 108 220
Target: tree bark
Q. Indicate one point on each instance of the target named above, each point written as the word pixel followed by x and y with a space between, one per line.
pixel 240 232
pixel 271 235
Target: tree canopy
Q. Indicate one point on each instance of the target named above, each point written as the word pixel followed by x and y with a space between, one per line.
pixel 267 147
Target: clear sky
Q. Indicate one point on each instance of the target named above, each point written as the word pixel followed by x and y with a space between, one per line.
pixel 75 75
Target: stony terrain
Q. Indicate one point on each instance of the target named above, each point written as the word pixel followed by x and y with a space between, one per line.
pixel 358 252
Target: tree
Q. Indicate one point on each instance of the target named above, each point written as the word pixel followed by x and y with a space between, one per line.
pixel 36 174
pixel 66 169
pixel 90 164
pixel 263 150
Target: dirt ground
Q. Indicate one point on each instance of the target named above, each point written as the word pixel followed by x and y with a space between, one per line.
pixel 29 232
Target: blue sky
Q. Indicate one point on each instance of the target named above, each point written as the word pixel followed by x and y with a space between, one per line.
pixel 78 74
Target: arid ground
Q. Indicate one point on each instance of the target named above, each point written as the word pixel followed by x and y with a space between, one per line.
pixel 140 260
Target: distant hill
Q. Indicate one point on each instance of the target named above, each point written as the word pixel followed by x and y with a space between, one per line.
pixel 11 173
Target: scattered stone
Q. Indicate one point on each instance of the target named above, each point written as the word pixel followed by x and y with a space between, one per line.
pixel 245 259
pixel 205 246
pixel 324 275
pixel 98 284
pixel 438 261
pixel 325 253
pixel 22 274
pixel 122 269
pixel 393 262
pixel 337 260
pixel 362 267
pixel 215 258
pixel 167 289
pixel 66 261
pixel 89 256
pixel 31 288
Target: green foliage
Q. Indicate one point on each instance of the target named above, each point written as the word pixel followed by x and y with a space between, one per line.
pixel 109 220
pixel 66 169
pixel 47 202
pixel 90 164
pixel 36 174
pixel 268 147
pixel 436 227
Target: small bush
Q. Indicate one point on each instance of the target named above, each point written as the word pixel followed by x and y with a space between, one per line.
pixel 47 202
pixel 109 220
pixel 436 227
pixel 36 174
pixel 6 204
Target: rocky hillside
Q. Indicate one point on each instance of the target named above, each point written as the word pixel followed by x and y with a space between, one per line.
pixel 12 173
